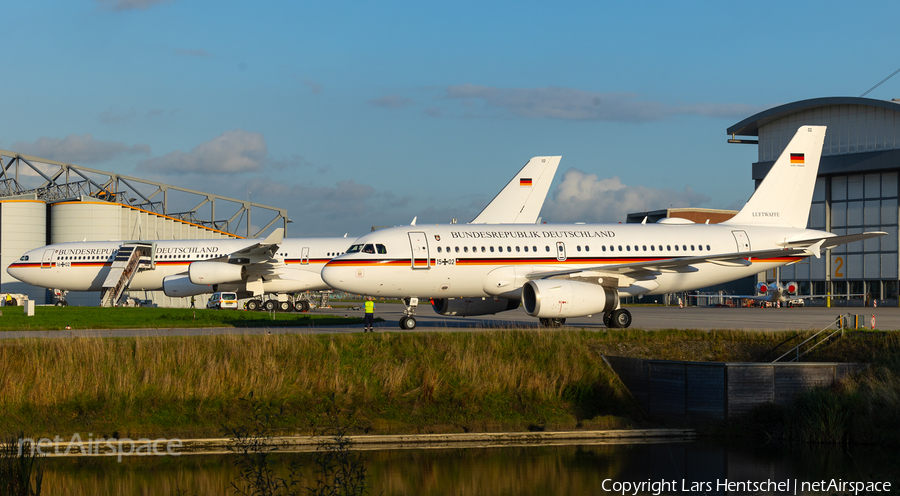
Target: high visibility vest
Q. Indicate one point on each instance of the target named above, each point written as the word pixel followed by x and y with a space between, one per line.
pixel 370 307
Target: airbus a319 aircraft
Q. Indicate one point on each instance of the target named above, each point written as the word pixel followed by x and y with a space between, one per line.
pixel 249 267
pixel 574 270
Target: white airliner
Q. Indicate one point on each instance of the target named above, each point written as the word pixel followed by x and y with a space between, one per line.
pixel 574 270
pixel 249 267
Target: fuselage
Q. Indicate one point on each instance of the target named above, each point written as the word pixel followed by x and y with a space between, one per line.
pixel 84 266
pixel 447 261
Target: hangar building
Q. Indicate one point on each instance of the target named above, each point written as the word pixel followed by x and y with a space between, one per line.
pixel 856 191
pixel 44 202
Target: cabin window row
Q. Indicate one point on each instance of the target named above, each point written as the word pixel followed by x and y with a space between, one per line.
pixel 627 248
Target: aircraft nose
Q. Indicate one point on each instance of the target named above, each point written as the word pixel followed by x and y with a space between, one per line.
pixel 338 276
pixel 331 274
pixel 16 271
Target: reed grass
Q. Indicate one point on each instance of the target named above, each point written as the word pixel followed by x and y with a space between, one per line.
pixel 387 382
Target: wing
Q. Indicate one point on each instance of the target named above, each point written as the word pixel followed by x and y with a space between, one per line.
pixel 651 268
pixel 259 258
pixel 264 249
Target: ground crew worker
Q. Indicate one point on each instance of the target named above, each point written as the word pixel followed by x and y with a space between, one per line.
pixel 369 319
pixel 8 299
pixel 193 300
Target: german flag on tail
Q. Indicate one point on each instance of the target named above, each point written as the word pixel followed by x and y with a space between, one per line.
pixel 797 158
pixel 526 182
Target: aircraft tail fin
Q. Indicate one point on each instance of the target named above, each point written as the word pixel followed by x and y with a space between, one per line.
pixel 521 200
pixel 783 198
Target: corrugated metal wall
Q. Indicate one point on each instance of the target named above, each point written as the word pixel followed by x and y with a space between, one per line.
pixel 23 227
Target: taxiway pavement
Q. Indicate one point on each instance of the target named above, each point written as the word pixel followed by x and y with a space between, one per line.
pixel 649 318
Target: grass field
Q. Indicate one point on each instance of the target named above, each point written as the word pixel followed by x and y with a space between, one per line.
pixel 510 380
pixel 48 318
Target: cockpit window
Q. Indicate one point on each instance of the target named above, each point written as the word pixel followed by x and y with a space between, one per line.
pixel 381 249
pixel 368 249
pixel 24 258
pixel 354 248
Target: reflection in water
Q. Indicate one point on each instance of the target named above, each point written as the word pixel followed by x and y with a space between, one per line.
pixel 493 471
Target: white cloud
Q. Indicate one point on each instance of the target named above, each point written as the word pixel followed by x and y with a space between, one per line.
pixel 76 149
pixel 573 104
pixel 584 197
pixel 232 152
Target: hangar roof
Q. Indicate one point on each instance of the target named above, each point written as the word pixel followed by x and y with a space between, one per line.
pixel 750 126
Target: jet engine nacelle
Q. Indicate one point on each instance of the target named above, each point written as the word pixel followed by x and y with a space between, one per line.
pixel 215 272
pixel 763 288
pixel 561 298
pixel 181 285
pixel 791 287
pixel 464 307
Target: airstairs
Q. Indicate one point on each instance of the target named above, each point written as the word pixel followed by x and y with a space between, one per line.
pixel 130 259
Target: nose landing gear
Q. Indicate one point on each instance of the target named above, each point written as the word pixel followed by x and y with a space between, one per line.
pixel 408 321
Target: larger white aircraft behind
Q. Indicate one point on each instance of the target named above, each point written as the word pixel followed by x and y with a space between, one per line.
pixel 573 270
pixel 249 267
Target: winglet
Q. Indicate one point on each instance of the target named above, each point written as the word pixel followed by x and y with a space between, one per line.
pixel 275 238
pixel 816 249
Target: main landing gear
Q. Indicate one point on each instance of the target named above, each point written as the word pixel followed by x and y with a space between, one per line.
pixel 553 322
pixel 408 322
pixel 617 319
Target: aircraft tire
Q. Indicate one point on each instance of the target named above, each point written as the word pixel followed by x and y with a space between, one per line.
pixel 306 306
pixel 254 305
pixel 403 323
pixel 284 306
pixel 608 321
pixel 410 323
pixel 298 306
pixel 60 303
pixel 621 318
pixel 269 306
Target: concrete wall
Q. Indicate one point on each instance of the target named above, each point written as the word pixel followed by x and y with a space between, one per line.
pixel 720 391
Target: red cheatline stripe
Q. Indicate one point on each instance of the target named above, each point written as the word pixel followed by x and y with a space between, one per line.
pixel 532 261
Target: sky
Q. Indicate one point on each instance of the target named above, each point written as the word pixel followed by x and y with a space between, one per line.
pixel 358 114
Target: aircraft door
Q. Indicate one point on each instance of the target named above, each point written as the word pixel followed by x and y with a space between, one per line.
pixel 418 245
pixel 743 242
pixel 48 259
pixel 304 256
pixel 560 251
